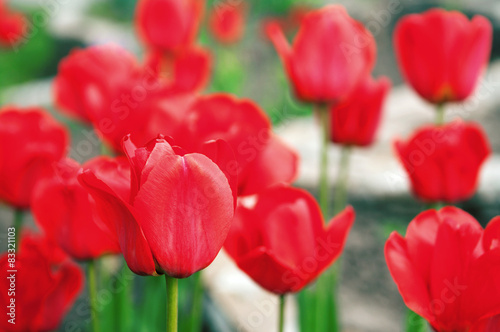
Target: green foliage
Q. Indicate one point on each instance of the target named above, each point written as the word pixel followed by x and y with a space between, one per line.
pixel 28 60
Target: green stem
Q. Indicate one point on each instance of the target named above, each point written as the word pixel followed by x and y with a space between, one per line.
pixel 172 300
pixel 415 323
pixel 18 223
pixel 440 112
pixel 341 193
pixel 324 116
pixel 197 307
pixel 281 322
pixel 435 206
pixel 93 295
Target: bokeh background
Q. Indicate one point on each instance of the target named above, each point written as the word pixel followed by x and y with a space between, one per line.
pixel 378 189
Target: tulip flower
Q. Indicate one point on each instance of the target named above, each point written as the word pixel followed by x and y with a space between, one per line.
pixel 65 210
pixel 282 242
pixel 95 85
pixel 179 209
pixel 43 292
pixel 105 85
pixel 262 158
pixel 227 22
pixel 443 163
pixel 30 141
pixel 186 72
pixel 356 120
pixel 442 53
pixel 12 26
pixel 447 268
pixel 168 25
pixel 331 54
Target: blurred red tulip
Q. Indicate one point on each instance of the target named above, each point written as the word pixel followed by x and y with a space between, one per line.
pixel 331 55
pixel 65 210
pixel 168 26
pixel 447 268
pixel 30 141
pixel 282 242
pixel 442 54
pixel 179 210
pixel 12 26
pixel 443 163
pixel 355 121
pixel 185 72
pixel 227 22
pixel 262 159
pixel 93 83
pixel 43 292
pixel 106 86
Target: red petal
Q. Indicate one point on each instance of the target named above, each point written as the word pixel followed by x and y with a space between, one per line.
pixel 420 241
pixel 185 208
pixel 221 154
pixel 120 217
pixel 411 285
pixel 63 209
pixel 269 272
pixel 67 285
pixel 451 260
pixel 275 163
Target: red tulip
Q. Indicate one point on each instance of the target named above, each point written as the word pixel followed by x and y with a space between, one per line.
pixel 356 120
pixel 442 54
pixel 331 55
pixel 282 242
pixel 443 163
pixel 106 86
pixel 447 268
pixel 168 25
pixel 262 159
pixel 227 22
pixel 12 26
pixel 185 72
pixel 64 209
pixel 94 83
pixel 30 141
pixel 179 210
pixel 42 292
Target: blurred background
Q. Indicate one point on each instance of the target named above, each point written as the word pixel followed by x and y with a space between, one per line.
pixel 378 189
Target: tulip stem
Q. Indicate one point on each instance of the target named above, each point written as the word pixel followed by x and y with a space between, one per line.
pixel 281 322
pixel 172 300
pixel 341 193
pixel 18 223
pixel 197 307
pixel 440 112
pixel 415 323
pixel 93 295
pixel 324 116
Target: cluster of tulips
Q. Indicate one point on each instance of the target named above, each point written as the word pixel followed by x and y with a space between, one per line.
pixel 184 174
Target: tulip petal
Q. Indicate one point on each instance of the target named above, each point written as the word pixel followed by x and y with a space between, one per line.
pixel 120 217
pixel 275 163
pixel 270 272
pixel 186 209
pixel 63 209
pixel 451 259
pixel 411 285
pixel 491 235
pixel 482 294
pixel 336 233
pixel 420 240
pixel 67 284
pixel 221 154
